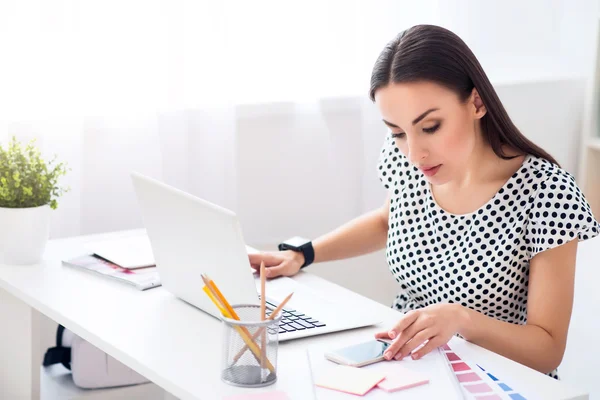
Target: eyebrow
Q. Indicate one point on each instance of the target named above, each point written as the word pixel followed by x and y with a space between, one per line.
pixel 416 120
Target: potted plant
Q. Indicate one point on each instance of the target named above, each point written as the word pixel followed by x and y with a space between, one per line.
pixel 28 192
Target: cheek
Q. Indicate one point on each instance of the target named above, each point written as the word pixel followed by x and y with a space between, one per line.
pixel 456 143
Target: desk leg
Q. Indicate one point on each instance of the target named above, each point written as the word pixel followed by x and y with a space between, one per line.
pixel 20 350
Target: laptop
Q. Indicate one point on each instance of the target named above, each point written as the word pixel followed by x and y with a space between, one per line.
pixel 190 236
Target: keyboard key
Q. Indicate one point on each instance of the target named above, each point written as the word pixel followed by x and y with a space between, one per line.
pixel 287 328
pixel 297 326
pixel 305 324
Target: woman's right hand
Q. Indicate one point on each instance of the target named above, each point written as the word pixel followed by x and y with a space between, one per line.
pixel 277 263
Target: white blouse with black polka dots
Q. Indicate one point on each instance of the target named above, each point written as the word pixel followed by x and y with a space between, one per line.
pixel 481 259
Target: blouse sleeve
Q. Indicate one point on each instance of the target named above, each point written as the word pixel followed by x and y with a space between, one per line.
pixel 559 214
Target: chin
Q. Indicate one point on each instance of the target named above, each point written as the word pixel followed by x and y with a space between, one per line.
pixel 437 179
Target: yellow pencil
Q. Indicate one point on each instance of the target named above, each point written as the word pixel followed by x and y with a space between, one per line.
pixel 258 332
pixel 222 304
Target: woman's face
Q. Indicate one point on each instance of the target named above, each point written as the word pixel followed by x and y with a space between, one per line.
pixel 432 127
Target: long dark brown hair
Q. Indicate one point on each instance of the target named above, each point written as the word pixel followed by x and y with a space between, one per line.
pixel 432 53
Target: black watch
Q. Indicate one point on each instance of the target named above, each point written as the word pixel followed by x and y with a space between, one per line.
pixel 300 245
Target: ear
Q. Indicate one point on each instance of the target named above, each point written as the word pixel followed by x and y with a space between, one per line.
pixel 480 109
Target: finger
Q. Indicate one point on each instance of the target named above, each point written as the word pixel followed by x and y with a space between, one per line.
pixel 270 259
pixel 431 345
pixel 409 333
pixel 413 343
pixel 404 323
pixel 402 333
pixel 255 259
pixel 383 335
pixel 273 272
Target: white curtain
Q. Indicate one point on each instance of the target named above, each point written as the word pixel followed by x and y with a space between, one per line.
pixel 259 106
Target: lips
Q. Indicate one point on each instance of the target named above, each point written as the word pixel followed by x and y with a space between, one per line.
pixel 430 171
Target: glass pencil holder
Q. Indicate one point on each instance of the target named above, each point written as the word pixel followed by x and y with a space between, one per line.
pixel 250 347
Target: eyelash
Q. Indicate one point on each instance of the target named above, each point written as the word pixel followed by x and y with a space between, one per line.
pixel 431 130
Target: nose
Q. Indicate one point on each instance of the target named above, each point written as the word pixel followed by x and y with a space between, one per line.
pixel 417 150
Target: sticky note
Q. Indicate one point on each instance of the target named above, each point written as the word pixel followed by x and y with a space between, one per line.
pixel 349 379
pixel 452 356
pixel 273 395
pixel 401 378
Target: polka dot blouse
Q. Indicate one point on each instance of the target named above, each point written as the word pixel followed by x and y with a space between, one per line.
pixel 481 259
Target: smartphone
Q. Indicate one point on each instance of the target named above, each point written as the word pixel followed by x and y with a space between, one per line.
pixel 360 354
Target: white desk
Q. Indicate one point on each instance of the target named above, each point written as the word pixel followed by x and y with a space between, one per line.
pixel 170 342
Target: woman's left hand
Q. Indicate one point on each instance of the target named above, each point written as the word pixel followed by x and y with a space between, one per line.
pixel 436 323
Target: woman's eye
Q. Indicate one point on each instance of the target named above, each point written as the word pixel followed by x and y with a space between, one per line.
pixel 431 129
pixel 398 135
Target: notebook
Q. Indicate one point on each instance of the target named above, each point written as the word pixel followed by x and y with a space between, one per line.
pixel 128 252
pixel 141 279
pixel 433 367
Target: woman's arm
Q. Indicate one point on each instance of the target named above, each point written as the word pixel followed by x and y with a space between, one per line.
pixel 540 344
pixel 362 235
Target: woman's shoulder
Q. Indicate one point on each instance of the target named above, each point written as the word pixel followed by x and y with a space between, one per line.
pixel 558 209
pixel 543 175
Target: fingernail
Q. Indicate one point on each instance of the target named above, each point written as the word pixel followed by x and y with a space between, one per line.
pixel 416 356
pixel 399 356
pixel 387 355
pixel 392 334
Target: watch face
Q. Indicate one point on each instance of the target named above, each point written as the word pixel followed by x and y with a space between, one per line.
pixel 296 241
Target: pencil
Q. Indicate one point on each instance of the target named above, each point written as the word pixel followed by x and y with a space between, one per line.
pixel 222 304
pixel 270 317
pixel 211 284
pixel 263 310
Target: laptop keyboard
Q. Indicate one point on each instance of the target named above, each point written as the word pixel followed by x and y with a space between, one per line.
pixel 293 320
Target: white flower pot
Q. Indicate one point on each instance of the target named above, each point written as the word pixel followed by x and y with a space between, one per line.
pixel 23 234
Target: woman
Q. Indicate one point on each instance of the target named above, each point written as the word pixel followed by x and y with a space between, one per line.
pixel 481 225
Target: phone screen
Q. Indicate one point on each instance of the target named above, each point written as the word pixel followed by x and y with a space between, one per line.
pixel 362 352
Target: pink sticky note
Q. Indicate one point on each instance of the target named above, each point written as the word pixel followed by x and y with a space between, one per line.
pixel 349 379
pixel 401 378
pixel 452 356
pixel 273 395
pixel 478 388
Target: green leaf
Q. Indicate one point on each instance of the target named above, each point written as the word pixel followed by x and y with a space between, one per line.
pixel 26 179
